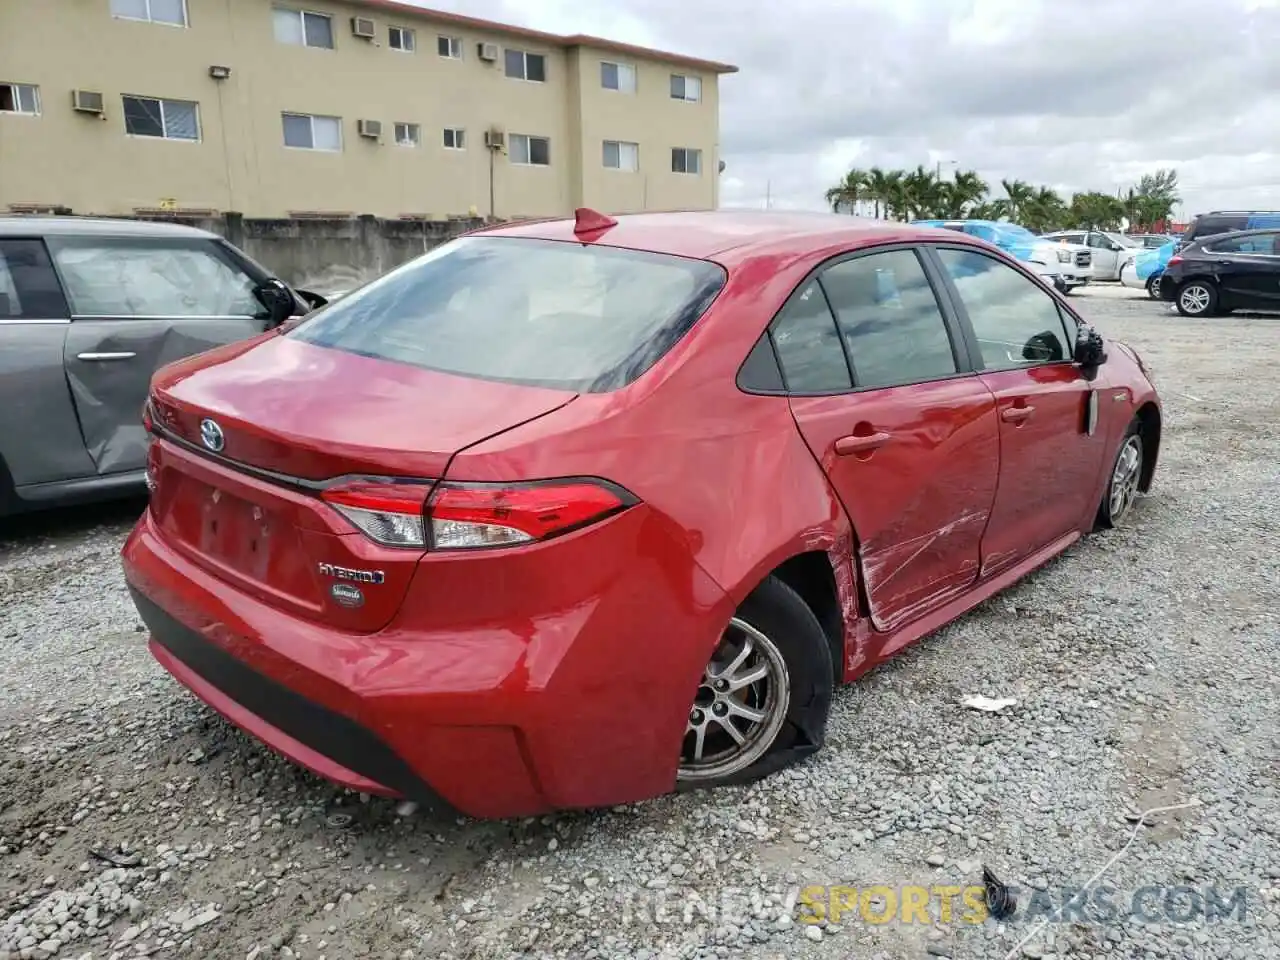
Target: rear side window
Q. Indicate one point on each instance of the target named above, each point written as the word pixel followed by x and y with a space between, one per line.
pixel 889 317
pixel 538 312
pixel 1264 243
pixel 808 345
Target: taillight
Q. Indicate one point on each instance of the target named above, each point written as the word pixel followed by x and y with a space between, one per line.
pixel 1174 259
pixel 462 516
pixel 465 515
pixel 387 513
pixel 148 417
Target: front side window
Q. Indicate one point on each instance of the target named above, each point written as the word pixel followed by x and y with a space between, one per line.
pixel 20 98
pixel 166 119
pixel 565 316
pixel 522 65
pixel 302 28
pixel 808 344
pixel 529 151
pixel 150 278
pixel 401 38
pixel 1016 322
pixel 171 12
pixel 688 89
pixel 621 155
pixel 618 76
pixel 306 132
pixel 686 160
pixel 889 317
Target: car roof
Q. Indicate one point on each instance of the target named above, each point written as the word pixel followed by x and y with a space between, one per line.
pixel 729 235
pixel 1219 237
pixel 26 226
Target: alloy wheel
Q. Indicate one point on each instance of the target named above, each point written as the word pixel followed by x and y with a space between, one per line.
pixel 1153 288
pixel 739 707
pixel 1124 478
pixel 1195 298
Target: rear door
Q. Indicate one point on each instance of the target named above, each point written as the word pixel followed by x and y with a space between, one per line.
pixel 40 439
pixel 136 305
pixel 1247 269
pixel 1050 451
pixel 1105 264
pixel 878 385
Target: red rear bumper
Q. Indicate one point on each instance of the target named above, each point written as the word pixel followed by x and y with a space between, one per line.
pixel 510 683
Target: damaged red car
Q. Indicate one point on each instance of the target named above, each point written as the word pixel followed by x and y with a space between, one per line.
pixel 574 513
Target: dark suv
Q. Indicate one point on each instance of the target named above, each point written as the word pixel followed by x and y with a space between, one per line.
pixel 1220 273
pixel 1227 221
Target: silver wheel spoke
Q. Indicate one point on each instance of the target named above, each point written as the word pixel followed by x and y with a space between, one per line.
pixel 732 731
pixel 754 676
pixel 739 660
pixel 699 739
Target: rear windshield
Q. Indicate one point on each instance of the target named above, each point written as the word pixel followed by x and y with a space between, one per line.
pixel 538 312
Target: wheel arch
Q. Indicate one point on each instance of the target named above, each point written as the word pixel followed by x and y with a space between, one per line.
pixel 1150 426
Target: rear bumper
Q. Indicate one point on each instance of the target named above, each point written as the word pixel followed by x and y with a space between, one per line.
pixel 573 693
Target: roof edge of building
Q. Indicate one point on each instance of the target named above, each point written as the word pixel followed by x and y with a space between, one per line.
pixel 559 40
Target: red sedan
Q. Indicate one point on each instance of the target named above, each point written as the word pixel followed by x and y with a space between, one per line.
pixel 573 513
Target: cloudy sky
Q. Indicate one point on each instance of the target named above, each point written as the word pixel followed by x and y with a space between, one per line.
pixel 1077 94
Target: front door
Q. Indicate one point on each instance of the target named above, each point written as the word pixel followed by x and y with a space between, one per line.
pixel 1050 451
pixel 908 441
pixel 137 305
pixel 1105 264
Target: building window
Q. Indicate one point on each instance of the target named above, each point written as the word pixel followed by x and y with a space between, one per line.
pixel 684 160
pixel 449 47
pixel 621 155
pixel 305 132
pixel 455 138
pixel 20 98
pixel 172 12
pixel 618 76
pixel 408 135
pixel 301 28
pixel 526 66
pixel 166 119
pixel 531 151
pixel 401 38
pixel 688 89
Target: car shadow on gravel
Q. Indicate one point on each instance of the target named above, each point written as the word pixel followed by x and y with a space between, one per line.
pixel 44 527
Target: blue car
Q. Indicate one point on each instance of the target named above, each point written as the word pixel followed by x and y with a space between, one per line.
pixel 1065 265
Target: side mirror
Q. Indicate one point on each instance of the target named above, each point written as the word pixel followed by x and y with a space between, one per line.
pixel 1090 350
pixel 314 300
pixel 277 299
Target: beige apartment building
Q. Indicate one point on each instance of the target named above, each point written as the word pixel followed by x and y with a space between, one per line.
pixel 279 108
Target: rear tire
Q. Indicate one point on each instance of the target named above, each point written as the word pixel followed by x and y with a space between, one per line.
pixel 1153 288
pixel 1197 299
pixel 770 680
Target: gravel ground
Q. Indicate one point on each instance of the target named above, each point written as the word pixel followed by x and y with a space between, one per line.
pixel 134 822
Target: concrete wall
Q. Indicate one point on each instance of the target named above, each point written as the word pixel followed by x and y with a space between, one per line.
pixel 239 162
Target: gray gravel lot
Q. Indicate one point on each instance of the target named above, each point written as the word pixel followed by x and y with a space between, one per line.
pixel 1142 663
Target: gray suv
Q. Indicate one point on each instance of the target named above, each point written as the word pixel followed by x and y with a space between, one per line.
pixel 89 309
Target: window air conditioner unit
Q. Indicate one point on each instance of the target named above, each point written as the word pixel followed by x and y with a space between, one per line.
pixel 488 51
pixel 86 101
pixel 363 27
pixel 495 139
pixel 370 128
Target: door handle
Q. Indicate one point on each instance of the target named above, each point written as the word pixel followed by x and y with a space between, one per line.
pixel 1016 414
pixel 861 444
pixel 122 355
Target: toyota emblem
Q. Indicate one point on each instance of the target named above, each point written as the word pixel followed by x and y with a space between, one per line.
pixel 211 435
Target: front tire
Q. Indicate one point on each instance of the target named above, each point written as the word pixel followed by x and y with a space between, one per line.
pixel 764 696
pixel 1153 288
pixel 1197 298
pixel 1126 474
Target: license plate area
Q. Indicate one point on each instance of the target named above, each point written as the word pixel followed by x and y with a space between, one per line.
pixel 236 532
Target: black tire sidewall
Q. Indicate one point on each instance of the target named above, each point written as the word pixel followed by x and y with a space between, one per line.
pixel 780 614
pixel 1105 519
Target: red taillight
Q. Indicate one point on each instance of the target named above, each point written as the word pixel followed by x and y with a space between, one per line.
pixel 148 417
pixel 467 515
pixel 1173 260
pixel 387 513
pixel 461 516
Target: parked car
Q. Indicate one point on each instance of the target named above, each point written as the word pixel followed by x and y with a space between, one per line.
pixel 1220 273
pixel 1111 252
pixel 1151 241
pixel 89 309
pixel 566 514
pixel 1065 265
pixel 1147 268
pixel 1229 221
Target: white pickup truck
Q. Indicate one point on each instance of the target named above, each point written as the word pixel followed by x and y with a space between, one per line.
pixel 1065 265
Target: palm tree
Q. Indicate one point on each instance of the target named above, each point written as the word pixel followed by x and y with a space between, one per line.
pixel 961 195
pixel 877 188
pixel 989 210
pixel 846 194
pixel 1042 210
pixel 1019 194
